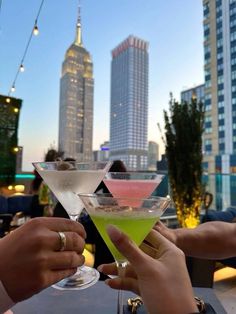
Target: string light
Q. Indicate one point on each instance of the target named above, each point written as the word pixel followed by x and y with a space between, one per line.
pixel 34 31
pixel 22 69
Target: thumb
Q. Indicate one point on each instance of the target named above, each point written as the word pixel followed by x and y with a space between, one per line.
pixel 126 247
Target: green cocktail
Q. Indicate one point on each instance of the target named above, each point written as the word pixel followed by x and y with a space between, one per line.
pixel 135 221
pixel 135 227
pixel 133 216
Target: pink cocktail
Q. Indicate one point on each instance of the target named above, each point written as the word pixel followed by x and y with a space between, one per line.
pixel 137 185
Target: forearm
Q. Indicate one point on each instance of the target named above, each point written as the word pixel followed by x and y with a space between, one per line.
pixel 213 240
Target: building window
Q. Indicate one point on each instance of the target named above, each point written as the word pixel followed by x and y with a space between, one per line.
pixel 208 107
pixel 208 130
pixel 221 104
pixel 221 128
pixel 220 43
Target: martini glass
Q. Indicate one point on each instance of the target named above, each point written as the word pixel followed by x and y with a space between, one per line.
pixel 135 220
pixel 66 180
pixel 137 185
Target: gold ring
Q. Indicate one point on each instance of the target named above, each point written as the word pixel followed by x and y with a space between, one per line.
pixel 62 241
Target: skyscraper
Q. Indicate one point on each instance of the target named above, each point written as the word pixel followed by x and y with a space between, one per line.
pixel 196 92
pixel 220 85
pixel 76 101
pixel 129 103
pixel 153 155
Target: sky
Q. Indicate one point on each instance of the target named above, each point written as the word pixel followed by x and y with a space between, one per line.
pixel 173 29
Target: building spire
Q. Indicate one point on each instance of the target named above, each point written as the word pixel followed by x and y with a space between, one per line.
pixel 78 38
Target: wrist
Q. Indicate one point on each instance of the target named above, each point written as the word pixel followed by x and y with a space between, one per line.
pixel 179 238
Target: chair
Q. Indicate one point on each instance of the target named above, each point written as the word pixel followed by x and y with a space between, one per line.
pixel 227 215
pixel 3 205
pixel 5 223
pixel 20 203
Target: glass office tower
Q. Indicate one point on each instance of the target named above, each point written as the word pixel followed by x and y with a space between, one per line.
pixel 220 94
pixel 220 85
pixel 196 92
pixel 129 103
pixel 76 101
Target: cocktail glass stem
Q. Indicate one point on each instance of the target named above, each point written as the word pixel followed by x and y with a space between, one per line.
pixel 121 266
pixel 76 218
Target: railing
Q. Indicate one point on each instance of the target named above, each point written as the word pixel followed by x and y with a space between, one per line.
pixel 223 189
pixel 221 186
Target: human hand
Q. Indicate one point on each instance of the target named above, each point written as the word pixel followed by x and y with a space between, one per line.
pixel 163 283
pixel 31 259
pixel 168 233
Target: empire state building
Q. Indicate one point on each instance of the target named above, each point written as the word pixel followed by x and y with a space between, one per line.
pixel 76 101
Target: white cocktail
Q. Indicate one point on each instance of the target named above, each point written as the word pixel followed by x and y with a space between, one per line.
pixel 66 180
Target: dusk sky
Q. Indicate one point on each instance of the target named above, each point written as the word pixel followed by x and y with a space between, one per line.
pixel 173 29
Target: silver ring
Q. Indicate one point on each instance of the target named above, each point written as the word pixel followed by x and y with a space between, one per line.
pixel 62 241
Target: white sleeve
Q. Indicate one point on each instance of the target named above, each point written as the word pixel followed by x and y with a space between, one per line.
pixel 5 301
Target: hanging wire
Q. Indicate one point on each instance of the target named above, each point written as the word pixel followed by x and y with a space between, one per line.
pixel 34 31
pixel 0 12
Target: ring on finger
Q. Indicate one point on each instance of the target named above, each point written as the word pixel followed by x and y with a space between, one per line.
pixel 62 238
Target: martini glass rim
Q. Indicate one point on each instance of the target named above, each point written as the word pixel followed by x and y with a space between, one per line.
pixel 133 176
pixel 106 165
pixel 103 195
pixel 136 173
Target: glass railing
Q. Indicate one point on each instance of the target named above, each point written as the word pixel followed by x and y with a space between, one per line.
pixel 223 189
pixel 221 186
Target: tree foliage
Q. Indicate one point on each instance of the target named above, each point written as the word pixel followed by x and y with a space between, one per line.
pixel 183 130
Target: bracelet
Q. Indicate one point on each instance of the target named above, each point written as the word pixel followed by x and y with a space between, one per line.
pixel 200 305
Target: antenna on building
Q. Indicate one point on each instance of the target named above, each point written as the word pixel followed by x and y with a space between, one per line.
pixel 78 39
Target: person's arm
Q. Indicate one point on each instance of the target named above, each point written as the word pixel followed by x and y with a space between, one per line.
pixel 163 283
pixel 212 240
pixel 31 259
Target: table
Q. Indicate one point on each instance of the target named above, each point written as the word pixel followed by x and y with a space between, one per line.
pixel 98 299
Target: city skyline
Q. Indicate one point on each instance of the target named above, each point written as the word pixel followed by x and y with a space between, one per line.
pixel 173 29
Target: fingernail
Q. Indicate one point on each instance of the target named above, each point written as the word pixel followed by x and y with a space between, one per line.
pixel 100 268
pixel 113 232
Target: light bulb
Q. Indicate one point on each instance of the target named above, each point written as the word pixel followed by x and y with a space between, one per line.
pixel 36 30
pixel 8 100
pixel 13 88
pixel 22 69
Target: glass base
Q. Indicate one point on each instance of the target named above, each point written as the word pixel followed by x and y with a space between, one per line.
pixel 82 279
